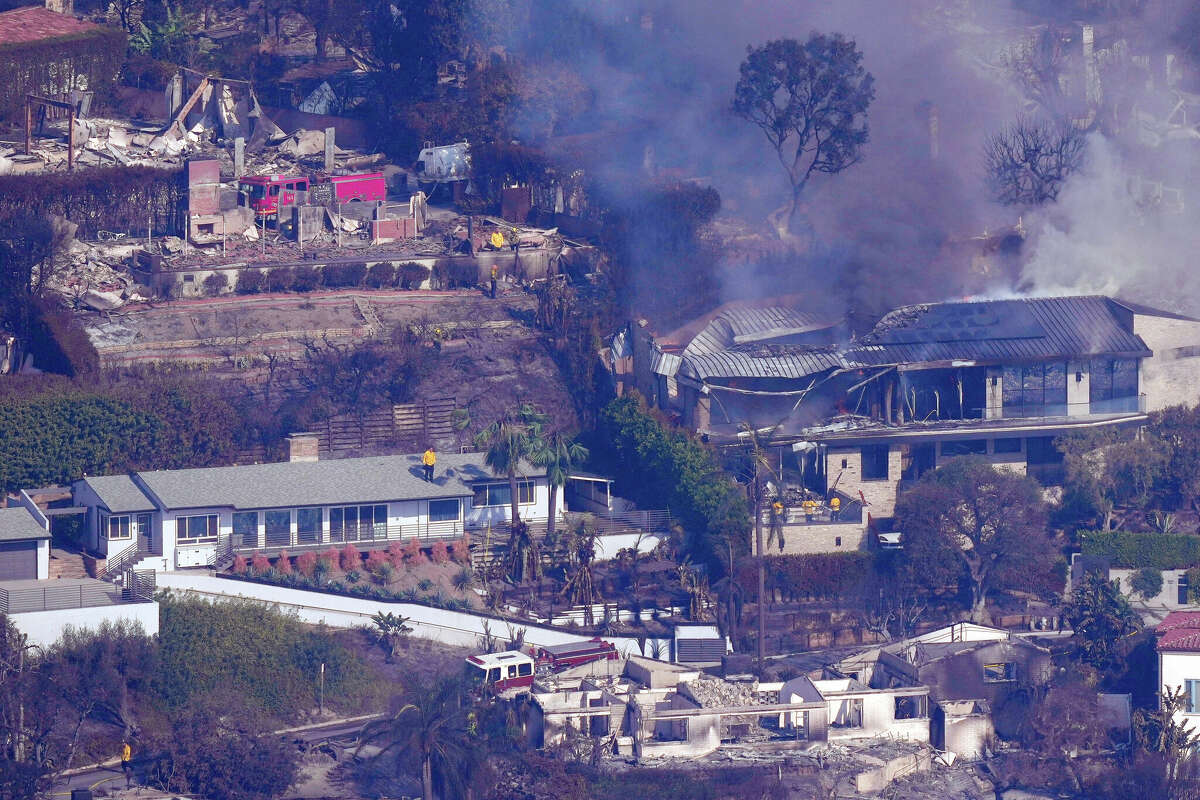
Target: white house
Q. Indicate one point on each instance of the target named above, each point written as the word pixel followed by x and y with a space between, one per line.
pixel 1179 661
pixel 169 519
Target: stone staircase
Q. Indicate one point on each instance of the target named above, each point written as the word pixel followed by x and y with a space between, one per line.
pixel 66 564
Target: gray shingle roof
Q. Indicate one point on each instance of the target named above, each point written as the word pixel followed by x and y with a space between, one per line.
pixel 999 330
pixel 17 524
pixel 119 493
pixel 349 480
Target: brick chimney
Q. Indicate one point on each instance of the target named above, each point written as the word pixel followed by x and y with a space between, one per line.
pixel 302 447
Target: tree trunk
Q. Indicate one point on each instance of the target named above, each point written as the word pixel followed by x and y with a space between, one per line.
pixel 978 604
pixel 512 488
pixel 320 32
pixel 427 778
pixel 551 517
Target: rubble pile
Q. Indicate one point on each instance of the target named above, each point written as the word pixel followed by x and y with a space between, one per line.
pixel 717 693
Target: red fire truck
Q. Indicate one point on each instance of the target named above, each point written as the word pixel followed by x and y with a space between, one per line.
pixel 266 192
pixel 561 656
pixel 510 670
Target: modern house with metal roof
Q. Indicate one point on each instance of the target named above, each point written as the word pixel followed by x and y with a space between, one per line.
pixel 1000 379
pixel 170 519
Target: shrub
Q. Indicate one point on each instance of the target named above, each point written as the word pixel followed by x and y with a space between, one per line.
pixel 1142 550
pixel 240 565
pixel 306 564
pixel 395 553
pixel 353 576
pixel 824 576
pixel 462 579
pixel 216 284
pixel 283 563
pixel 249 281
pixel 350 558
pixel 439 554
pixel 260 564
pixel 306 278
pixel 412 275
pixel 375 559
pixel 412 553
pixel 280 279
pixel 424 584
pixel 351 274
pixel 460 551
pixel 381 275
pixel 1146 582
pixel 385 572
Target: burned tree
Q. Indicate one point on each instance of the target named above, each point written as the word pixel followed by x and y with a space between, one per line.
pixel 1028 163
pixel 810 100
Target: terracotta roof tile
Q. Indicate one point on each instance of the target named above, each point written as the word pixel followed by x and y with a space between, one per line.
pixel 1180 631
pixel 34 23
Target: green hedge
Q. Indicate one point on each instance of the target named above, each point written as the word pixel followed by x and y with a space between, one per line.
pixel 120 199
pixel 56 65
pixel 1142 550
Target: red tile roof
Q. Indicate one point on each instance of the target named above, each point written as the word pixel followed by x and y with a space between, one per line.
pixel 34 23
pixel 1180 631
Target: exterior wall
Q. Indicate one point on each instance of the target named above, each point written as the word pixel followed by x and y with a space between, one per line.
pixel 994 393
pixel 878 719
pixel 477 517
pixel 1174 669
pixel 817 538
pixel 82 495
pixel 44 628
pixel 43 559
pixel 1167 598
pixel 880 494
pixel 965 736
pixel 960 677
pixel 1171 375
pixel 458 628
pixel 1079 392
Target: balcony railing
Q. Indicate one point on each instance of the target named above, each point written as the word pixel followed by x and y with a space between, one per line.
pixel 851 513
pixel 85 594
pixel 1134 404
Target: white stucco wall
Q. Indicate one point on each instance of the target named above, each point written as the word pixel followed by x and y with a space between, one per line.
pixel 1174 669
pixel 457 628
pixel 43 559
pixel 44 628
pixel 1172 375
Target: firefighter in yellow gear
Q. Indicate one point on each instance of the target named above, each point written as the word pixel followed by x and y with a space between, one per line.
pixel 835 507
pixel 428 461
pixel 810 509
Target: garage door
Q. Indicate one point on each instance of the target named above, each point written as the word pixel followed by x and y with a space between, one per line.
pixel 18 560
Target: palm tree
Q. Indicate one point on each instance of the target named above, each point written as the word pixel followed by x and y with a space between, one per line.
pixel 514 438
pixel 559 454
pixel 432 724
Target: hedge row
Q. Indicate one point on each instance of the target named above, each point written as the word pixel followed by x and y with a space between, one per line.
pixel 119 199
pixel 306 278
pixel 819 576
pixel 56 65
pixel 1142 550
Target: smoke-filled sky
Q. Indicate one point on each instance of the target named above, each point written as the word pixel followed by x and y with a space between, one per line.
pixel 893 229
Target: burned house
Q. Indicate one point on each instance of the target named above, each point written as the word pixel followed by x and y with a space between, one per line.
pixel 861 417
pixel 975 676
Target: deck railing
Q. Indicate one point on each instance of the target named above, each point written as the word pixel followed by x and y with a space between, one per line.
pixel 82 595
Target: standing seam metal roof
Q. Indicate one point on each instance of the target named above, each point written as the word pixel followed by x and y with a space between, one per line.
pixel 713 352
pixel 1069 327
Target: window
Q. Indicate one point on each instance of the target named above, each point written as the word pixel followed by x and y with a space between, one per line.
pixel 1007 445
pixel 493 674
pixel 444 510
pixel 245 527
pixel 118 528
pixel 308 525
pixel 278 528
pixel 1112 381
pixel 189 278
pixel 358 522
pixel 846 713
pixel 969 447
pixel 1035 390
pixel 1191 691
pixel 875 463
pixel 912 707
pixel 524 669
pixel 498 494
pixel 999 673
pixel 196 530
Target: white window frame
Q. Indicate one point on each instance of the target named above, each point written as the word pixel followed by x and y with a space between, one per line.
pixel 106 528
pixel 522 485
pixel 181 524
pixel 459 506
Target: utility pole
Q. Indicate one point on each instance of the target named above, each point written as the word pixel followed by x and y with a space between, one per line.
pixel 321 691
pixel 762 569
